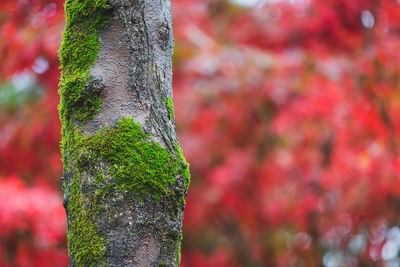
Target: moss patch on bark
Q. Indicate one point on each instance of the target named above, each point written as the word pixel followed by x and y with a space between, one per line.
pixel 84 21
pixel 170 107
pixel 137 164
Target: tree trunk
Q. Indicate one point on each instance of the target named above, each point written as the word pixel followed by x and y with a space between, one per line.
pixel 125 178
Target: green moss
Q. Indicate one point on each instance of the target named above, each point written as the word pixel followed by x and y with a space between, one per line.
pixel 170 107
pixel 137 164
pixel 185 165
pixel 179 250
pixel 84 21
pixel 84 242
pixel 78 52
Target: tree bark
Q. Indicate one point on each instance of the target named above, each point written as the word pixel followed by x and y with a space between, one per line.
pixel 125 178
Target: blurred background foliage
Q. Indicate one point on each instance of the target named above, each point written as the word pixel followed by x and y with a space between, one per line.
pixel 287 110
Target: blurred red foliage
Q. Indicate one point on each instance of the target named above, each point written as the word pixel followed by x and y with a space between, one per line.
pixel 288 112
pixel 32 224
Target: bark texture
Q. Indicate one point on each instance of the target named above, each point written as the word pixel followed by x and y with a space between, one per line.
pixel 125 178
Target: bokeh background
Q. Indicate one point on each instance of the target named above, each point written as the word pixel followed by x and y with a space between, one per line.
pixel 288 111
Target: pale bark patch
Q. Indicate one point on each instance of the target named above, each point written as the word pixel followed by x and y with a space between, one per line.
pixel 147 253
pixel 112 69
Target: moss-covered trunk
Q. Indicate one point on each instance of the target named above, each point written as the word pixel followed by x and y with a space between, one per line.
pixel 125 178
